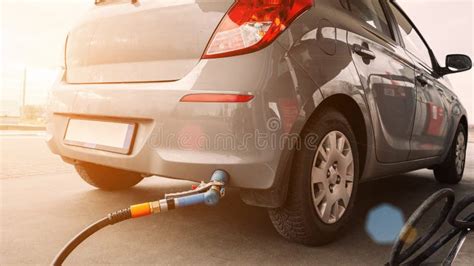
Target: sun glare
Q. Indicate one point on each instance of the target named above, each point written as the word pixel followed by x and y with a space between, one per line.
pixel 32 45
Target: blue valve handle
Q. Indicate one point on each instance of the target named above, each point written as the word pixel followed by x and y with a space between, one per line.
pixel 220 176
pixel 210 197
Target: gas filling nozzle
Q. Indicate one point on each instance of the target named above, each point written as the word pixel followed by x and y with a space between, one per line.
pixel 206 193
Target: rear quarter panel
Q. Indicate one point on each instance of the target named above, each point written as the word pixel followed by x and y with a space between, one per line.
pixel 317 41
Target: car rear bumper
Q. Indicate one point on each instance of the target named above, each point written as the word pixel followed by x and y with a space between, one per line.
pixel 185 140
pixel 182 156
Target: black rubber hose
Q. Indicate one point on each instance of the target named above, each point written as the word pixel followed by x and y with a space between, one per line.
pixel 467 222
pixel 455 250
pixel 397 256
pixel 439 243
pixel 434 247
pixel 110 219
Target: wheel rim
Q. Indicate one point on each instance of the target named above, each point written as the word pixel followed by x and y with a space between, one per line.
pixel 460 153
pixel 332 177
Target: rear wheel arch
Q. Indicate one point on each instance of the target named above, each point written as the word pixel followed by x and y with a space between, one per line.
pixel 301 218
pixel 351 110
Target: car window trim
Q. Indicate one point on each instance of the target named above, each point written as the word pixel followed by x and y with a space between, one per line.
pixel 392 23
pixel 420 61
pixel 379 35
pixel 373 29
pixel 434 61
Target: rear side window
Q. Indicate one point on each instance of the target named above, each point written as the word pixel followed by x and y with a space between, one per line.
pixel 371 12
pixel 413 42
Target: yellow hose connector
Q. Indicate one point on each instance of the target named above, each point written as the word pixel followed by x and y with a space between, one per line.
pixel 140 210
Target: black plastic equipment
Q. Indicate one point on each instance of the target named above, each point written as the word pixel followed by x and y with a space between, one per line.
pixel 462 227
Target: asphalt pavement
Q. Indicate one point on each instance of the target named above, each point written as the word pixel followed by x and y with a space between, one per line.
pixel 44 203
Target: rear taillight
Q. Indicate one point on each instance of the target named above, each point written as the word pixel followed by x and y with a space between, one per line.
pixel 251 25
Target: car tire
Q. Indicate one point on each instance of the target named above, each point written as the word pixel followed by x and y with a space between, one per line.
pixel 300 220
pixel 107 178
pixel 452 169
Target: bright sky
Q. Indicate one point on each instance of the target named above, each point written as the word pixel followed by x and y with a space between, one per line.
pixel 448 27
pixel 33 31
pixel 33 34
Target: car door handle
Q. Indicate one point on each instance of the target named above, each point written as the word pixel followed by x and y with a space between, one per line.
pixel 422 79
pixel 441 92
pixel 364 52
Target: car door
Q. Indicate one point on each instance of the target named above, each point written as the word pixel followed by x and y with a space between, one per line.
pixel 431 118
pixel 387 75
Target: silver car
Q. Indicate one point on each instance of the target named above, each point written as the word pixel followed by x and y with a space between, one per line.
pixel 298 100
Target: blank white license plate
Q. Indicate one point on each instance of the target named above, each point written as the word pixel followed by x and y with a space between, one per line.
pixel 100 135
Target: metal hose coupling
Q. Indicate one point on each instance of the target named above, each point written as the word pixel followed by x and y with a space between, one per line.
pixel 206 193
